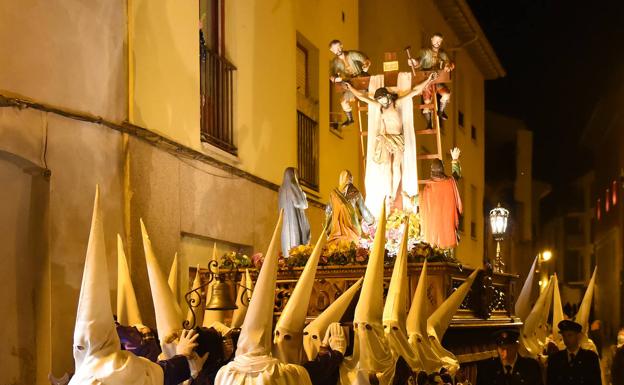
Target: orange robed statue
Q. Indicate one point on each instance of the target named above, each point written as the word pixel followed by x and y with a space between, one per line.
pixel 440 205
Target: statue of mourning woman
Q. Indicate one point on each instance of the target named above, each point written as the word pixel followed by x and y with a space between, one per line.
pixel 292 199
pixel 345 211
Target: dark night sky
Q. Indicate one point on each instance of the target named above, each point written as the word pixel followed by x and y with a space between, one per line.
pixel 558 56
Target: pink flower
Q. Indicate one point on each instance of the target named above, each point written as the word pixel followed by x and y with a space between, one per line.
pixel 257 260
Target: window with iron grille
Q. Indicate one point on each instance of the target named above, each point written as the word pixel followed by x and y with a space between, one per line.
pixel 216 79
pixel 473 132
pixel 307 151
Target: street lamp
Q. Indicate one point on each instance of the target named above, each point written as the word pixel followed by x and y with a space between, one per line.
pixel 498 222
pixel 546 255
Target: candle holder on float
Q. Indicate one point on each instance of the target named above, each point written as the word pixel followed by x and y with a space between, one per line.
pixel 499 217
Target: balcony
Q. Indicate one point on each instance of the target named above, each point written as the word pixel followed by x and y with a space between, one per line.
pixel 307 151
pixel 217 98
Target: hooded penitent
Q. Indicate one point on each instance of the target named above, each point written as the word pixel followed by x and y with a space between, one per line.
pixel 253 363
pixel 372 361
pixel 288 336
pixel 417 326
pixel 166 307
pixel 557 313
pixel 244 290
pixel 198 301
pixel 97 353
pixel 314 332
pixel 439 321
pixel 535 329
pixel 212 316
pixel 173 277
pixel 582 316
pixel 127 307
pixel 395 309
pixel 523 303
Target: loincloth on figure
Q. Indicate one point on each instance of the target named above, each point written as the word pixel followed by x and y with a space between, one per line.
pixel 386 145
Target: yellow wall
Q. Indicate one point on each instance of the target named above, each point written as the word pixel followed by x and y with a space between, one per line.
pixel 164 68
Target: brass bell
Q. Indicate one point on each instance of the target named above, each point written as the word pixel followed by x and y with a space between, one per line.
pixel 221 297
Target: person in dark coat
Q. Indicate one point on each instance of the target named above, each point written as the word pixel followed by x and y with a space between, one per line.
pixel 509 368
pixel 573 365
pixel 617 367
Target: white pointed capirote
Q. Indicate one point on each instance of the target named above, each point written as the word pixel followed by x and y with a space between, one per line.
pixel 198 301
pixel 371 352
pixel 313 333
pixel 369 308
pixel 535 329
pixel 256 337
pixel 244 291
pixel 582 316
pixel 439 321
pixel 557 313
pixel 417 325
pixel 212 316
pixel 97 351
pixel 253 363
pixel 127 307
pixel 395 309
pixel 523 303
pixel 173 277
pixel 166 307
pixel 288 335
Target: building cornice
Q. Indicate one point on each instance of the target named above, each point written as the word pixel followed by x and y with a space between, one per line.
pixel 459 16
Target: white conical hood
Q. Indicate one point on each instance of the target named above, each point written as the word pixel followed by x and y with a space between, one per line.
pixel 166 307
pixel 97 350
pixel 535 329
pixel 582 316
pixel 255 337
pixel 127 307
pixel 173 277
pixel 212 316
pixel 199 304
pixel 557 312
pixel 95 329
pixel 440 319
pixel 369 308
pixel 523 303
pixel 314 332
pixel 417 325
pixel 288 337
pixel 395 309
pixel 244 290
pixel 371 352
pixel 417 317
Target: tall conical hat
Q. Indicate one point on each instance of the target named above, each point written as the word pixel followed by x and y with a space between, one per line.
pixel 370 306
pixel 557 312
pixel 199 302
pixel 256 337
pixel 95 330
pixel 440 319
pixel 288 337
pixel 417 325
pixel 313 333
pixel 417 317
pixel 523 303
pixel 395 313
pixel 97 350
pixel 127 307
pixel 212 316
pixel 244 290
pixel 173 277
pixel 582 316
pixel 535 328
pixel 166 307
pixel 395 308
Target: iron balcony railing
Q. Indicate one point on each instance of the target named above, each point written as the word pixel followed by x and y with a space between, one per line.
pixel 217 100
